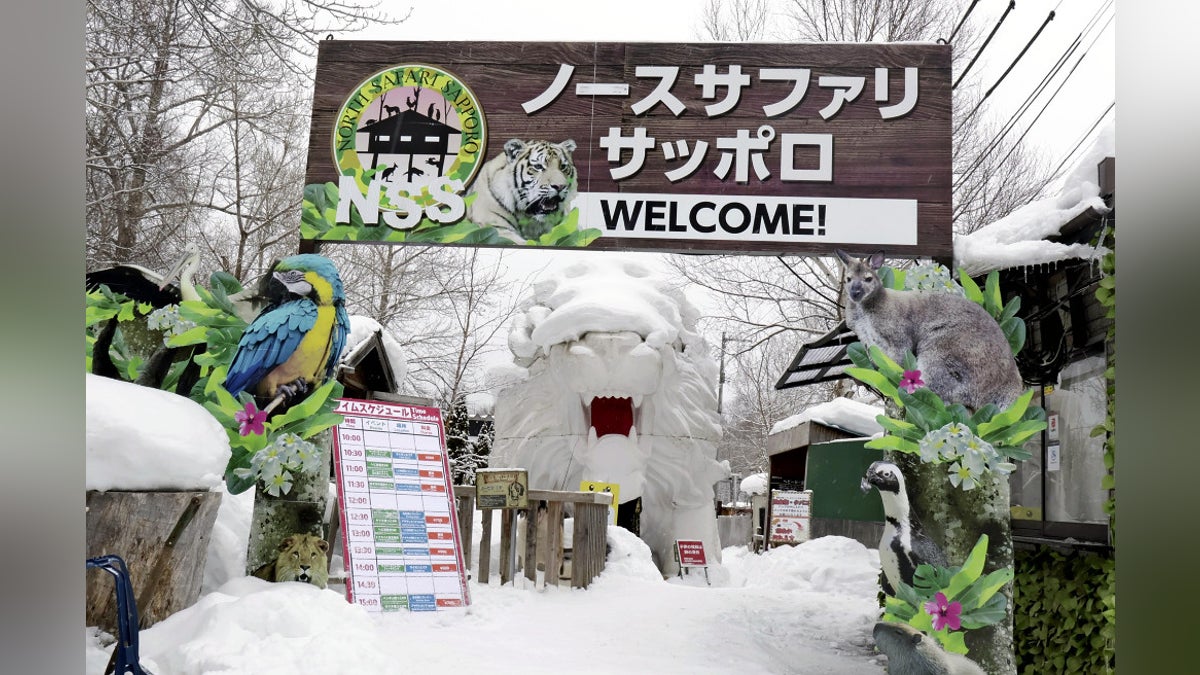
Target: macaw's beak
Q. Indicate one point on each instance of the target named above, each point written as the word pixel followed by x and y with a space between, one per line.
pixel 294 281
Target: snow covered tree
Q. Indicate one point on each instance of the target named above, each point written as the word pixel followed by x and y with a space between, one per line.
pixel 196 120
pixel 481 447
pixel 458 442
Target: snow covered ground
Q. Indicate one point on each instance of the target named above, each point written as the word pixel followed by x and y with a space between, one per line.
pixel 807 609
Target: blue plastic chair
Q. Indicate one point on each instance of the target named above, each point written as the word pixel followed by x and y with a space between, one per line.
pixel 125 655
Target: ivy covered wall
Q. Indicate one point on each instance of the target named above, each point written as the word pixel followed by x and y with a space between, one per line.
pixel 1064 612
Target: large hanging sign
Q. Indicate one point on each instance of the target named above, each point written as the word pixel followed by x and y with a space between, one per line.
pixel 742 148
pixel 399 524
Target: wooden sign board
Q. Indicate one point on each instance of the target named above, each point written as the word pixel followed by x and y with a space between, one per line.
pixel 791 517
pixel 399 525
pixel 502 488
pixel 712 147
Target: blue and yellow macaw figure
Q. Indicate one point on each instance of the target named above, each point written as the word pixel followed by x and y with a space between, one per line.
pixel 294 343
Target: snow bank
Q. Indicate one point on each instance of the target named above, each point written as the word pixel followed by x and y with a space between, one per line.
pixel 141 438
pixel 229 539
pixel 841 412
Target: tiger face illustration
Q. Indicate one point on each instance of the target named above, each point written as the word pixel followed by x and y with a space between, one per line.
pixel 518 190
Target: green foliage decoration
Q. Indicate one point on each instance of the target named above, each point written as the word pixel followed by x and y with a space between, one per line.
pixel 212 322
pixel 318 220
pixel 1064 613
pixel 978 594
pixel 989 439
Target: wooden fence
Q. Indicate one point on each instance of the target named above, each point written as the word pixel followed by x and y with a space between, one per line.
pixel 589 540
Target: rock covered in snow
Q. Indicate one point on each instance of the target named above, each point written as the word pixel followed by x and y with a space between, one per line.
pixel 141 438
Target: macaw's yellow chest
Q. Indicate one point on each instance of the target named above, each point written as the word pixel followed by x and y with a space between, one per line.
pixel 309 360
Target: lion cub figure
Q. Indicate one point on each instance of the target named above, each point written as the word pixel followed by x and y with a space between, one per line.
pixel 961 351
pixel 301 558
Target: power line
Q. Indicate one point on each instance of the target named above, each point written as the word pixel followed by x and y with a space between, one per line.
pixel 1049 18
pixel 1012 4
pixel 1083 138
pixel 1012 122
pixel 1053 72
pixel 963 20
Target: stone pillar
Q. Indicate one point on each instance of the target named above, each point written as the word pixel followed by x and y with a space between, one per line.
pixel 954 519
pixel 300 511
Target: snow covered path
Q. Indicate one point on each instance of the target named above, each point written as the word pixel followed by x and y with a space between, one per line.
pixel 807 609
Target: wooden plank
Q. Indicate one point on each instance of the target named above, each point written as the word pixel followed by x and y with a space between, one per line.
pixel 565 496
pixel 507 545
pixel 466 521
pixel 485 546
pixel 553 556
pixel 532 516
pixel 589 544
pixel 166 572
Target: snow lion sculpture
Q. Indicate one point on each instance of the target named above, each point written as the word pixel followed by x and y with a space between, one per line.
pixel 611 383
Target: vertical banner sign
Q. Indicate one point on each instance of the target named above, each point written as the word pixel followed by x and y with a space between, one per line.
pixel 791 514
pixel 399 524
pixel 719 148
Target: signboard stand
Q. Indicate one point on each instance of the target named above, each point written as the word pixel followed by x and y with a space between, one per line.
pixel 396 508
pixel 689 553
pixel 790 518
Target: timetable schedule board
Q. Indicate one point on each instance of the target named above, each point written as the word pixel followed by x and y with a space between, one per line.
pixel 399 525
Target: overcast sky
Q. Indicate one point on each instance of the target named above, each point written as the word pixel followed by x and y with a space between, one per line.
pixel 1083 98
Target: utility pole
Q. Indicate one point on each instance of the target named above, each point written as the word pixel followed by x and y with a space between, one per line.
pixel 721 376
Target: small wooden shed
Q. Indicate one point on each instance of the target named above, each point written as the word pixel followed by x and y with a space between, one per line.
pixel 829 461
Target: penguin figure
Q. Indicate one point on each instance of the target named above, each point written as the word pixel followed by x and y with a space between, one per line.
pixel 902 547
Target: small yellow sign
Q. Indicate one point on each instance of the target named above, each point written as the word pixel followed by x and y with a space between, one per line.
pixel 502 489
pixel 596 486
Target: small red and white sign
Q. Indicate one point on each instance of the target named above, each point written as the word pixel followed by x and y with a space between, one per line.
pixel 691 553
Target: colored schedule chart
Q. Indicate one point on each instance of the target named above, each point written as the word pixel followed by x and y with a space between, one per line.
pixel 399 526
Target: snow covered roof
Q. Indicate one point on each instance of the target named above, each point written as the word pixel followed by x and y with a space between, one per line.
pixel 1020 238
pixel 142 438
pixel 841 413
pixel 359 339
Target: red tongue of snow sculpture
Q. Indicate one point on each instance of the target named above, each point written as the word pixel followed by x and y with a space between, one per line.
pixel 612 415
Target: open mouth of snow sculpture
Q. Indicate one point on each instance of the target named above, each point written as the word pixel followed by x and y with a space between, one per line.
pixel 612 373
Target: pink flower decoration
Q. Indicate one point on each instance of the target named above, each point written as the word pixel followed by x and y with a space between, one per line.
pixel 251 420
pixel 911 380
pixel 944 613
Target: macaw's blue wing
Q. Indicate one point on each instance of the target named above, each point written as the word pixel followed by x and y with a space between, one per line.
pixel 341 329
pixel 268 342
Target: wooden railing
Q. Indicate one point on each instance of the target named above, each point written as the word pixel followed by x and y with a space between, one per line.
pixel 589 539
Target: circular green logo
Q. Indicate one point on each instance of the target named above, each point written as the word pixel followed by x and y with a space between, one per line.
pixel 415 128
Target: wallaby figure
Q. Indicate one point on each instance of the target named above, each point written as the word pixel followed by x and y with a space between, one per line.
pixel 961 351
